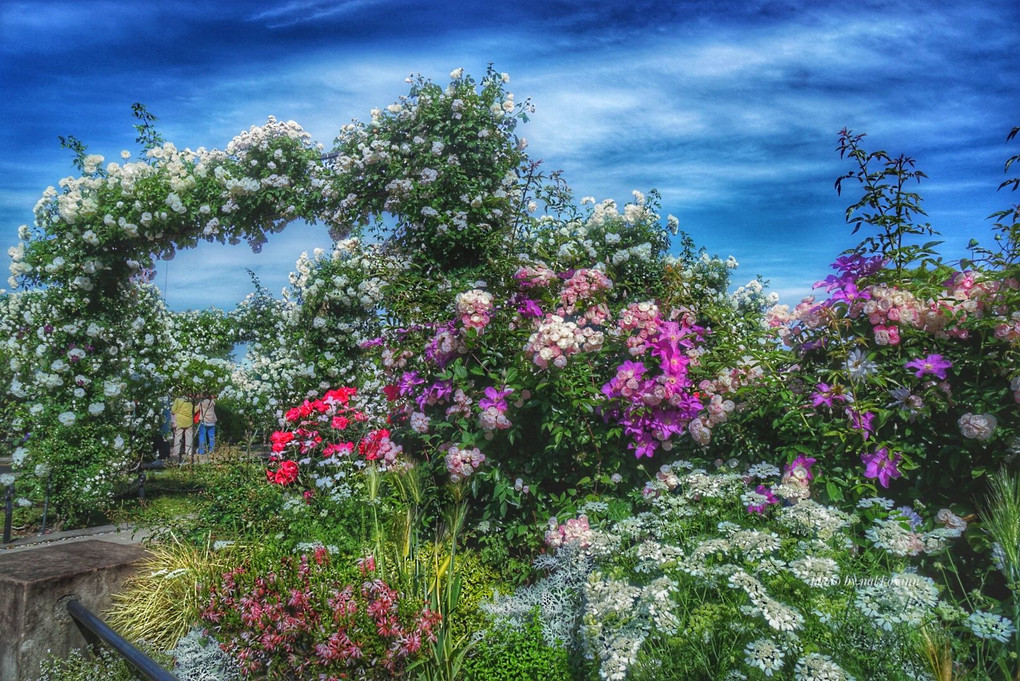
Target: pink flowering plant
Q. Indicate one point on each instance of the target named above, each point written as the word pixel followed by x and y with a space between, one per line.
pixel 308 618
pixel 904 369
pixel 517 361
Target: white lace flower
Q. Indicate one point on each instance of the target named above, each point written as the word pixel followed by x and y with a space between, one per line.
pixel 988 625
pixel 765 655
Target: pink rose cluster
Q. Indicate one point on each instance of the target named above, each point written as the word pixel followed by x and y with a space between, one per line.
pixel 461 462
pixel 1009 330
pixel 640 320
pixel 474 308
pixel 538 276
pixel 557 339
pixel 570 330
pixel 976 295
pixel 583 286
pixel 446 344
pixel 574 530
pixel 890 309
pixel 718 406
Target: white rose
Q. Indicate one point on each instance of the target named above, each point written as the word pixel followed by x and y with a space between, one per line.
pixel 977 426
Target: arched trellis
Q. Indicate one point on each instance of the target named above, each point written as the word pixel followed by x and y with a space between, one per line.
pixel 444 163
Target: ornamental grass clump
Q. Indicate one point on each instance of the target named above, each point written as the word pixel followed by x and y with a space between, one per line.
pixel 163 600
pixel 1001 521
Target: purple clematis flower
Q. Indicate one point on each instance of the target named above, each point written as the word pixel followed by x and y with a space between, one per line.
pixel 825 395
pixel 529 308
pixel 495 398
pixel 861 421
pixel 932 364
pixel 882 465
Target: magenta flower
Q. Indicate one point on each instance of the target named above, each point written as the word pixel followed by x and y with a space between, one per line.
pixel 495 398
pixel 770 499
pixel 849 294
pixel 408 382
pixel 932 364
pixel 882 465
pixel 529 308
pixel 800 469
pixel 825 395
pixel 861 421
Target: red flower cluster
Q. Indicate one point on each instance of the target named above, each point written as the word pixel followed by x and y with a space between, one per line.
pixel 285 473
pixel 329 426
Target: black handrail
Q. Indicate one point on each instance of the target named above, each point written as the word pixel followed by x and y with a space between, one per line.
pixel 136 658
pixel 8 512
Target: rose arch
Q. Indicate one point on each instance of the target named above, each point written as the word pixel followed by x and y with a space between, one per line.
pixel 436 180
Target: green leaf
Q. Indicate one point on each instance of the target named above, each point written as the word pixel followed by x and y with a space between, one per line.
pixel 834 493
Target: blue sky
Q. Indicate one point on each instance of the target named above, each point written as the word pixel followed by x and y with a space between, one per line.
pixel 730 109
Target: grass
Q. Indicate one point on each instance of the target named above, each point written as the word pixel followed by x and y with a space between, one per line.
pixel 171 494
pixel 164 599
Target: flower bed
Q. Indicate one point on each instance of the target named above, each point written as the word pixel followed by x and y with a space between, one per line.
pixel 472 419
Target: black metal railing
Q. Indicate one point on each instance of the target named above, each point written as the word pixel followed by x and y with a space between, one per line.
pixel 8 512
pixel 92 628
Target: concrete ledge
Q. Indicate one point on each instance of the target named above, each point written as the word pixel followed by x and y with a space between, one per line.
pixel 33 585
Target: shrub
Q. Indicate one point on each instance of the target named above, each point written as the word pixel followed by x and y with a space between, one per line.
pixel 305 619
pixel 514 653
pixel 161 602
pixel 100 665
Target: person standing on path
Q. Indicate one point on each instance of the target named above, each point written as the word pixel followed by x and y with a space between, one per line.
pixel 184 420
pixel 207 425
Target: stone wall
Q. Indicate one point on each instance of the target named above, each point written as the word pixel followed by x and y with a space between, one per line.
pixel 33 586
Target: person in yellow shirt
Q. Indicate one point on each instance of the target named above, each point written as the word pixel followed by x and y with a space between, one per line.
pixel 184 426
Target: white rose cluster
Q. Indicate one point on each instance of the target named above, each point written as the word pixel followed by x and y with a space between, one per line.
pixel 977 426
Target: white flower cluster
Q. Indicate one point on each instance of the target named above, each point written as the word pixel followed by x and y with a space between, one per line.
pixel 990 626
pixel 904 598
pixel 890 534
pixel 779 616
pixel 977 426
pixel 612 624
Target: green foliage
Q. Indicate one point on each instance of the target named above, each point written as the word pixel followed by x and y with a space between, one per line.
pixel 81 482
pixel 100 665
pixel 148 137
pixel 239 502
pixel 443 164
pixel 886 204
pixel 513 653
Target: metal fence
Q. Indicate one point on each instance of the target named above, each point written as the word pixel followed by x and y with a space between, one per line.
pixel 137 487
pixel 93 628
